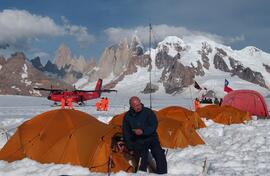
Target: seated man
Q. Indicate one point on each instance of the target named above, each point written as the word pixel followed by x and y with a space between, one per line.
pixel 140 135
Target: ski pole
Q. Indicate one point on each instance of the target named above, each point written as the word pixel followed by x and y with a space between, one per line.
pixel 166 152
pixel 110 163
pixel 139 163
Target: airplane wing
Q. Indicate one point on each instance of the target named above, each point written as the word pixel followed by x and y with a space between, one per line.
pixel 50 90
pixel 102 90
pixel 108 90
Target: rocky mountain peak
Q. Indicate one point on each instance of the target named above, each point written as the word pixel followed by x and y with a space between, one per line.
pixel 251 50
pixel 123 44
pixel 51 68
pixel 63 56
pixel 172 45
pixel 17 59
pixel 36 63
pixel 136 46
pixel 78 64
pixel 172 40
pixel 114 59
pixel 18 55
pixel 69 68
pixel 23 77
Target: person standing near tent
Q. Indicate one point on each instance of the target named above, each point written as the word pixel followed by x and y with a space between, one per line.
pixel 216 102
pixel 103 104
pixel 106 107
pixel 220 101
pixel 63 103
pixel 69 101
pixel 196 104
pixel 98 106
pixel 140 135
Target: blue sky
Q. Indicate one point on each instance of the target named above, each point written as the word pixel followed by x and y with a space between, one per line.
pixel 88 26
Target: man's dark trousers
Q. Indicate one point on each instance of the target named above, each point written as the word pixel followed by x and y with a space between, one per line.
pixel 158 154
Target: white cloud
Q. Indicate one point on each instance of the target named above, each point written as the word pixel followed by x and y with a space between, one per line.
pixel 19 25
pixel 18 28
pixel 160 32
pixel 42 55
pixel 236 39
pixel 79 32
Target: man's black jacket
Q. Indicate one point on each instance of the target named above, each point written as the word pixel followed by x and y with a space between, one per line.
pixel 145 120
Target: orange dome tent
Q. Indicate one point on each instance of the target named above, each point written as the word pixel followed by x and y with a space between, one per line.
pixel 224 114
pixel 170 134
pixel 247 100
pixel 209 111
pixel 176 134
pixel 182 114
pixel 117 119
pixel 65 136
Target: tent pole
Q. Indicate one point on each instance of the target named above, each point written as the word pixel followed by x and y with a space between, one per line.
pixel 191 98
pixel 110 157
pixel 150 77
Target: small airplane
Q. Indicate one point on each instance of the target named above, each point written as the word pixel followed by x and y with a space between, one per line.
pixel 78 96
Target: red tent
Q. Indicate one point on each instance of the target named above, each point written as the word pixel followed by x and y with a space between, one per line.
pixel 247 100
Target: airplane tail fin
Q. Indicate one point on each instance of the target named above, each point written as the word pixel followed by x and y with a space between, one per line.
pixel 98 87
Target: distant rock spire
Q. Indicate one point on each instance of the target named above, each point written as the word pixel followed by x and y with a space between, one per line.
pixel 63 56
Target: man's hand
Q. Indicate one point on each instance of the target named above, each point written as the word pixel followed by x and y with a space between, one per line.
pixel 138 131
pixel 131 152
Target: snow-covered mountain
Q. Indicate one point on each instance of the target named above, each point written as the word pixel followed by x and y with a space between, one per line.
pixel 19 77
pixel 175 63
pixel 65 66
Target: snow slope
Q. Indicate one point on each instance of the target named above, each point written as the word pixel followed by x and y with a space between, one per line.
pixel 229 150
